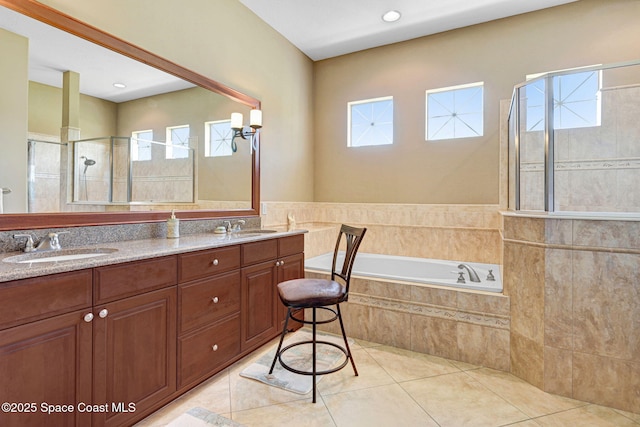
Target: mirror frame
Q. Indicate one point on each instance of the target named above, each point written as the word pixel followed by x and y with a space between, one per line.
pixel 57 19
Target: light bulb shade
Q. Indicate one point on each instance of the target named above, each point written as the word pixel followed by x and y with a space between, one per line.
pixel 236 120
pixel 255 119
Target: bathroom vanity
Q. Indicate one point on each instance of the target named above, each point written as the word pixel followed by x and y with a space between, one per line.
pixel 105 341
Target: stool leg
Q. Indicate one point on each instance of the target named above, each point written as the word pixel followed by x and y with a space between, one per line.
pixel 284 331
pixel 314 355
pixel 346 344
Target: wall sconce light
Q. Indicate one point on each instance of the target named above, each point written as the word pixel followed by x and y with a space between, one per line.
pixel 244 132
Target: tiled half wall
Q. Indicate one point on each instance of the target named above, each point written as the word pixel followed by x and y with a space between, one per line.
pixel 575 307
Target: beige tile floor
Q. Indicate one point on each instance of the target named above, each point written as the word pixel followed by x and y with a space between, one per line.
pixel 395 388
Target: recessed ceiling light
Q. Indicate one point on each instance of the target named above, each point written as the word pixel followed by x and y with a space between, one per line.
pixel 120 85
pixel 391 16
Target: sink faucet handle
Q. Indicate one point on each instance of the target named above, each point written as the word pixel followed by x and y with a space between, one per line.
pixel 29 245
pixel 53 239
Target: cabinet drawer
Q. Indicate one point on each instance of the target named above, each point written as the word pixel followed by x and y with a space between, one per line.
pixel 264 250
pixel 291 245
pixel 206 263
pixel 122 280
pixel 32 299
pixel 207 300
pixel 201 353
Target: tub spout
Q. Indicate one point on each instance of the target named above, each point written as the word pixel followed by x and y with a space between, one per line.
pixel 473 276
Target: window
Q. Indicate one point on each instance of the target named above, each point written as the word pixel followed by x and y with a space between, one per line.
pixel 370 122
pixel 455 112
pixel 141 145
pixel 178 142
pixel 576 101
pixel 217 136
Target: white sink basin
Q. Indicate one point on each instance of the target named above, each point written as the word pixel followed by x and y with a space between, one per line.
pixel 59 256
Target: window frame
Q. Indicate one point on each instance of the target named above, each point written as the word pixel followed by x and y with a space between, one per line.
pixel 465 86
pixel 169 153
pixel 350 104
pixel 556 108
pixel 208 152
pixel 135 147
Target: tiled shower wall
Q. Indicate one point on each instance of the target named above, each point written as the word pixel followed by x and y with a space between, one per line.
pixel 168 181
pixel 596 168
pixel 575 307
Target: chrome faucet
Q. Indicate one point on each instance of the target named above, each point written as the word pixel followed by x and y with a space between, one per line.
pixel 50 242
pixel 235 227
pixel 473 276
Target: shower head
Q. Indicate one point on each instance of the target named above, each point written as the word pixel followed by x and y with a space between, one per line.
pixel 88 161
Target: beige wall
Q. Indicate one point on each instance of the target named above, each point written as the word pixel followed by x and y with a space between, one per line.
pixel 500 53
pixel 219 178
pixel 97 117
pixel 225 41
pixel 304 157
pixel 13 120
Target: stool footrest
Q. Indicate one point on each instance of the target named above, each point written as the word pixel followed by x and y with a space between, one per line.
pixel 324 372
pixel 318 322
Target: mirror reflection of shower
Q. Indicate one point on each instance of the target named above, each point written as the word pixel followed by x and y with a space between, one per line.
pixel 83 179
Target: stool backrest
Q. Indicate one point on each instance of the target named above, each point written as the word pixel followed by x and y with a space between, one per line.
pixel 353 237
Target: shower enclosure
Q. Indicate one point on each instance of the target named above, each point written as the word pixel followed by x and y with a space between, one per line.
pixel 43 173
pixel 105 172
pixel 574 141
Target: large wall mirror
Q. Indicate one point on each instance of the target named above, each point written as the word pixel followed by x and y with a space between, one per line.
pixel 117 134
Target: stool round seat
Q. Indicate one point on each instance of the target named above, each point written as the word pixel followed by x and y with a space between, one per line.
pixel 308 293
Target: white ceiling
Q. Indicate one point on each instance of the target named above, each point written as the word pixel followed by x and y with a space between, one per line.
pixel 320 28
pixel 52 51
pixel 327 28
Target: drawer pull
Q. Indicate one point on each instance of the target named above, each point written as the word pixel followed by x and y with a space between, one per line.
pixel 215 300
pixel 277 263
pixel 103 313
pixel 88 317
pixel 216 262
pixel 215 347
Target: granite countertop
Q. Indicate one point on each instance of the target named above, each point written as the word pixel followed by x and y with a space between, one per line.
pixel 131 250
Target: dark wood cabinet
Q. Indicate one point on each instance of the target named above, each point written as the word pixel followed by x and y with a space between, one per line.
pixel 262 311
pixel 117 342
pixel 134 355
pixel 203 352
pixel 45 349
pixel 47 362
pixel 259 304
pixel 208 313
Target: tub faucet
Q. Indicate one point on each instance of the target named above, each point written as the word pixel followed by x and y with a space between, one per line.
pixel 473 276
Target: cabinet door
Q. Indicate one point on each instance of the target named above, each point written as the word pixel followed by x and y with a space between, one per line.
pixel 259 309
pixel 291 267
pixel 134 355
pixel 49 362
